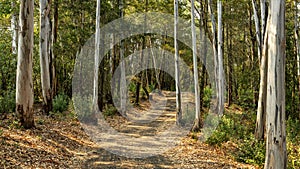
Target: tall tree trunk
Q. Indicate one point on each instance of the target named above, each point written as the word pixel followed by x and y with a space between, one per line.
pixel 218 55
pixel 156 70
pixel 260 36
pixel 220 76
pixel 297 15
pixel 203 72
pixel 24 84
pixel 197 122
pixel 45 37
pixel 52 57
pixel 177 71
pixel 203 52
pixel 97 56
pixel 229 66
pixel 215 48
pixel 14 28
pixel 123 88
pixel 276 155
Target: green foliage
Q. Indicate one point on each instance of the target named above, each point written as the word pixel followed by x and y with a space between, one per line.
pixel 60 103
pixel 246 99
pixel 293 130
pixel 151 87
pixel 207 96
pixel 7 103
pixel 222 134
pixel 293 151
pixel 251 151
pixel 230 128
pixel 110 111
pixel 132 87
pixel 293 143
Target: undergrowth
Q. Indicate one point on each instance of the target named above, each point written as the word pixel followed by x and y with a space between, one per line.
pixel 239 128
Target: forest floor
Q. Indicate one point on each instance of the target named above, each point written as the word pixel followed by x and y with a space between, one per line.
pixel 62 142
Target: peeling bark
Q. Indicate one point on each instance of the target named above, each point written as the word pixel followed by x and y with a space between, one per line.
pixel 24 83
pixel 276 153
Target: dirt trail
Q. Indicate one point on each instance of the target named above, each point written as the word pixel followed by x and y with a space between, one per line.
pixel 61 142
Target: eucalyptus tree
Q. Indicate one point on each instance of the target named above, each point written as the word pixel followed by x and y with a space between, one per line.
pixel 97 56
pixel 197 121
pixel 217 42
pixel 53 55
pixel 177 71
pixel 24 84
pixel 45 50
pixel 260 27
pixel 276 153
pixel 297 25
pixel 220 75
pixel 14 28
pixel 123 78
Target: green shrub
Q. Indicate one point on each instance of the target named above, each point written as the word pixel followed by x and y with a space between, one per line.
pixel 8 103
pixel 132 87
pixel 251 151
pixel 228 129
pixel 293 130
pixel 110 111
pixel 60 103
pixel 293 151
pixel 151 87
pixel 207 96
pixel 246 99
pixel 293 142
pixel 222 133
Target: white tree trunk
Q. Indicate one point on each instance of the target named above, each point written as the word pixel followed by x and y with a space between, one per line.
pixel 276 155
pixel 54 40
pixel 112 55
pixel 263 13
pixel 260 37
pixel 297 15
pixel 24 85
pixel 45 42
pixel 221 88
pixel 196 80
pixel 218 55
pixel 14 29
pixel 177 71
pixel 123 87
pixel 156 71
pixel 257 27
pixel 97 56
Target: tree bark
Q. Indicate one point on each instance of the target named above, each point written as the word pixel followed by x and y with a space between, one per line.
pixel 220 59
pixel 177 71
pixel 297 15
pixel 53 77
pixel 260 36
pixel 217 41
pixel 229 66
pixel 123 88
pixel 14 28
pixel 97 56
pixel 45 50
pixel 197 122
pixel 215 49
pixel 276 155
pixel 24 84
